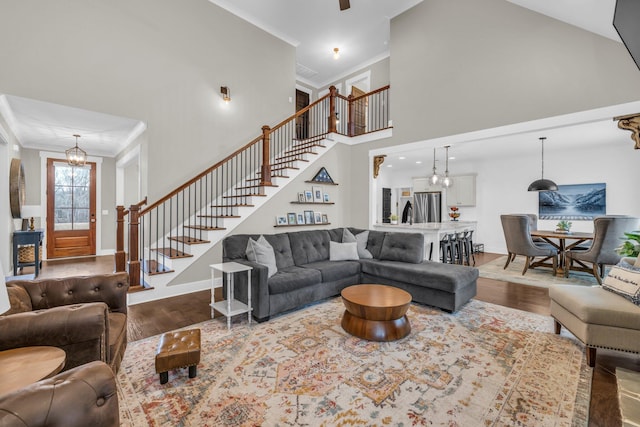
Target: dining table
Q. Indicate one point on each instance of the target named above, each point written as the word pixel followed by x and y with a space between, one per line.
pixel 563 241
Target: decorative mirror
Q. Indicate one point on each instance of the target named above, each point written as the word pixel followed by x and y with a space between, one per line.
pixel 16 187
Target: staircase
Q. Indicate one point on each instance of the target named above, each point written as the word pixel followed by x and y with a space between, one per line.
pixel 166 237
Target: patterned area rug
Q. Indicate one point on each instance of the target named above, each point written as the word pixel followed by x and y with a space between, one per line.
pixel 486 365
pixel 539 276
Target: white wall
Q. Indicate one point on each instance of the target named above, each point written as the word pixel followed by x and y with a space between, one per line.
pixel 501 184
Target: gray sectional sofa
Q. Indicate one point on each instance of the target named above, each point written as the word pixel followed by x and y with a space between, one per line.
pixel 306 274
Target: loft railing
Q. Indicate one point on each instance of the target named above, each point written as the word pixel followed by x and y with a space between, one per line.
pixel 181 218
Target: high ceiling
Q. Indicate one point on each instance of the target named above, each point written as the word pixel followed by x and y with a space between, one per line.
pixel 314 27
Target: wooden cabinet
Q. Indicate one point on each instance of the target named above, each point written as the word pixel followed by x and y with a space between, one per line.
pixel 463 191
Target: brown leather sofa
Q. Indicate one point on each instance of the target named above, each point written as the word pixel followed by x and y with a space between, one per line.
pixel 80 397
pixel 85 316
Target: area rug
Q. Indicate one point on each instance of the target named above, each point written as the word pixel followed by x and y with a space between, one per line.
pixel 485 365
pixel 628 396
pixel 539 276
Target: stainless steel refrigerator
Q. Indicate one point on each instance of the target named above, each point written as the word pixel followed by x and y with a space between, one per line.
pixel 427 207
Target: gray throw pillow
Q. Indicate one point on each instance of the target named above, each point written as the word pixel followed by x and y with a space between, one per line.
pixel 261 252
pixel 361 240
pixel 624 280
pixel 343 251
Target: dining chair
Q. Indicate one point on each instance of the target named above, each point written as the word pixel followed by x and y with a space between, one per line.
pixel 533 226
pixel 608 230
pixel 517 235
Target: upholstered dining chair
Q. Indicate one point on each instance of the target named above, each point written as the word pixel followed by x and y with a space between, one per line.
pixel 517 234
pixel 607 233
pixel 533 226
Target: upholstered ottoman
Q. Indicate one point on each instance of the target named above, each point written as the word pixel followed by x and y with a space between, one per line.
pixel 178 350
pixel 597 317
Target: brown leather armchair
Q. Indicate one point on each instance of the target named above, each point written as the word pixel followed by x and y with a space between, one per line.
pixel 83 396
pixel 85 316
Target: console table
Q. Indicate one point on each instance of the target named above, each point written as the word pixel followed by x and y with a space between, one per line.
pixel 25 238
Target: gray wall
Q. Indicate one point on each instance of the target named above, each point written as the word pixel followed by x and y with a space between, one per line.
pixel 158 61
pixel 464 65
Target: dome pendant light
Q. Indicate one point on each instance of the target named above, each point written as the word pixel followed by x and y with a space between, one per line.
pixel 543 184
pixel 435 178
pixel 447 181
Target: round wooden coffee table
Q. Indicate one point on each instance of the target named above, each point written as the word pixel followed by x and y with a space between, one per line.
pixel 22 366
pixel 376 312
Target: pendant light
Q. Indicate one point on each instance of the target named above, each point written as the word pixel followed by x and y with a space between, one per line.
pixel 446 181
pixel 435 178
pixel 543 184
pixel 75 155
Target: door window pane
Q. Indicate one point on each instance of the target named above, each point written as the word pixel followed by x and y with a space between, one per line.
pixel 72 197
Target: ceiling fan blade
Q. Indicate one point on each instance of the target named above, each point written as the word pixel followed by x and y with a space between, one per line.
pixel 344 4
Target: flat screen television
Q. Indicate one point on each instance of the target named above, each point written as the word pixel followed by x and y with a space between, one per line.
pixel 626 21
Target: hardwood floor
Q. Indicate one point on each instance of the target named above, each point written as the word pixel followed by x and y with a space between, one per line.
pixel 156 317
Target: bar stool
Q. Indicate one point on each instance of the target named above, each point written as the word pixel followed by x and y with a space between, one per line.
pixel 447 249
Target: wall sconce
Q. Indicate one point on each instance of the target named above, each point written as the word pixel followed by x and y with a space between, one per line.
pixel 226 94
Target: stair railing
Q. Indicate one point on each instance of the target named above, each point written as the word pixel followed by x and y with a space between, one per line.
pixel 182 218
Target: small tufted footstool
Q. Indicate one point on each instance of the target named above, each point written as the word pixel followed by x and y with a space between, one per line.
pixel 178 350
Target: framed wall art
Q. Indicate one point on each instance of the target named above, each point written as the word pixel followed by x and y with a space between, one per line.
pixel 575 202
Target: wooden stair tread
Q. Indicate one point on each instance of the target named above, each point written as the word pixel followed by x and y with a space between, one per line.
pixel 188 240
pixel 244 195
pixel 172 253
pixel 235 205
pixel 256 186
pixel 152 268
pixel 219 216
pixel 287 162
pixel 293 158
pixel 272 176
pixel 204 227
pixel 139 288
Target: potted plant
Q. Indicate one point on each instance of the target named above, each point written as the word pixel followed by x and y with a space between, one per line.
pixel 563 226
pixel 631 246
pixel 393 218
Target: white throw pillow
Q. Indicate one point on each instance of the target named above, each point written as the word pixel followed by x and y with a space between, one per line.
pixel 624 281
pixel 361 240
pixel 261 251
pixel 343 251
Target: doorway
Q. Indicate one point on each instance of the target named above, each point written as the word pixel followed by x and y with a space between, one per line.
pixel 359 111
pixel 302 121
pixel 71 209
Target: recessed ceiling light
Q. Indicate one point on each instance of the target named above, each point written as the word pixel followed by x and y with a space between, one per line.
pixel 418 162
pixel 452 158
pixel 402 157
pixel 389 166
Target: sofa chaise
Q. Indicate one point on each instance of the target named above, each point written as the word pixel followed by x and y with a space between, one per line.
pixel 306 272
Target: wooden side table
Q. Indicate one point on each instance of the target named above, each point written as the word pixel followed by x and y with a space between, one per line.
pixel 22 366
pixel 231 306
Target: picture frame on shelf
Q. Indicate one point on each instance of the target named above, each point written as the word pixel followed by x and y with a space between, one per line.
pixel 308 196
pixel 301 219
pixel 317 217
pixel 282 220
pixel 325 219
pixel 317 194
pixel 291 218
pixel 326 197
pixel 308 217
pixel 301 197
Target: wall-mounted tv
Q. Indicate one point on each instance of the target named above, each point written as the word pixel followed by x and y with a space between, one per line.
pixel 626 21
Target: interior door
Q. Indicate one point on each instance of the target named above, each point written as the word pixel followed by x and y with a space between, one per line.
pixel 360 112
pixel 302 121
pixel 71 209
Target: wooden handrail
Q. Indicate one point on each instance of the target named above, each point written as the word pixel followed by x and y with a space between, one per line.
pixel 161 228
pixel 373 92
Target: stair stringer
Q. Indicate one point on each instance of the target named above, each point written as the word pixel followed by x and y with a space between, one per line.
pixel 162 281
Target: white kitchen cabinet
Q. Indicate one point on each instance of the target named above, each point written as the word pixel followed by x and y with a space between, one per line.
pixel 420 185
pixel 463 191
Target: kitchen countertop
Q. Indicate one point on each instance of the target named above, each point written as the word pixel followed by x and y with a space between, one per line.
pixel 428 226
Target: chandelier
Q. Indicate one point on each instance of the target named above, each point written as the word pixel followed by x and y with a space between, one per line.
pixel 75 155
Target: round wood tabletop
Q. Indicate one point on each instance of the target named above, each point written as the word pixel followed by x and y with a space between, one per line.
pixel 376 312
pixel 22 366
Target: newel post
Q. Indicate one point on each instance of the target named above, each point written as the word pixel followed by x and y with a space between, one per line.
pixel 265 170
pixel 134 250
pixel 351 124
pixel 120 256
pixel 332 110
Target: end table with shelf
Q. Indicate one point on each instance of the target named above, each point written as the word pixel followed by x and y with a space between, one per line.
pixel 29 238
pixel 230 306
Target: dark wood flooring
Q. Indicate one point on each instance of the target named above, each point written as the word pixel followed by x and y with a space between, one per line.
pixel 156 317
